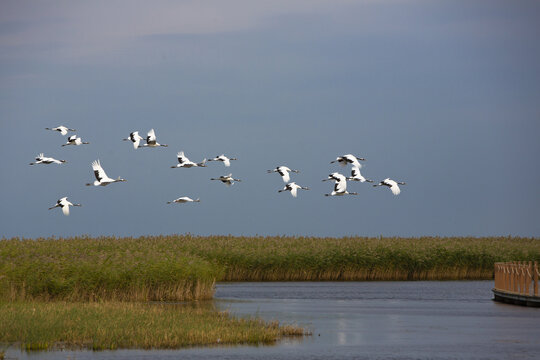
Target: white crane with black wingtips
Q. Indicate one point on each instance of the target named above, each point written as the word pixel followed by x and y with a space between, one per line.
pixel 393 185
pixel 101 177
pixel 42 159
pixel 284 171
pixel 74 140
pixel 183 199
pixel 226 160
pixel 151 140
pixel 227 179
pixel 184 162
pixel 348 159
pixel 357 176
pixel 61 129
pixel 340 186
pixel 135 138
pixel 64 204
pixel 293 188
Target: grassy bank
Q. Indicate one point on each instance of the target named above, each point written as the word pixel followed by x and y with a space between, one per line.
pixel 114 325
pixel 185 267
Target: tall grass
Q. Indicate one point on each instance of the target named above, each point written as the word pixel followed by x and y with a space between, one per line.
pixel 185 267
pixel 113 325
pixel 358 258
pixel 85 268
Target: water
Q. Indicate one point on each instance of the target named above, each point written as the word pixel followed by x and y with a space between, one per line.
pixel 365 320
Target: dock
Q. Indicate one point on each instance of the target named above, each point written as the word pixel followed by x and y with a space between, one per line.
pixel 516 283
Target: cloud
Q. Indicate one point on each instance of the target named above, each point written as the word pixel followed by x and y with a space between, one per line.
pixel 85 28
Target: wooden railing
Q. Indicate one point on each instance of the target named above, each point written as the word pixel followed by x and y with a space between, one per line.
pixel 518 277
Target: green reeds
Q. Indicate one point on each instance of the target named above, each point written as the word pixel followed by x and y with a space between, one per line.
pixel 185 267
pixel 357 258
pixel 86 269
pixel 115 325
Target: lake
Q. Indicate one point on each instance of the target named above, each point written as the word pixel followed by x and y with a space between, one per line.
pixel 365 320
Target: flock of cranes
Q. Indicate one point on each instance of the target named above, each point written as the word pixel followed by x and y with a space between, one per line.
pixel 102 179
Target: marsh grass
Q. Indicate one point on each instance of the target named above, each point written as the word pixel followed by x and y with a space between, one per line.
pixel 359 258
pixel 97 269
pixel 186 267
pixel 76 292
pixel 115 325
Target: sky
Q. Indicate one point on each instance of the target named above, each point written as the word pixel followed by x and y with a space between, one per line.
pixel 443 95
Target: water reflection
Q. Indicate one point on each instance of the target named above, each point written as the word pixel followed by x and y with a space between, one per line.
pixel 341 327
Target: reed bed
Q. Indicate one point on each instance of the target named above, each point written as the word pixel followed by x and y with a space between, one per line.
pixel 116 325
pixel 97 269
pixel 358 258
pixel 185 267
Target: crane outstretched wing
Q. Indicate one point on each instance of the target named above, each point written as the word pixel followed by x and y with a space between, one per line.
pixel 182 158
pixel 135 139
pixel 225 160
pixel 340 186
pixel 98 171
pixel 151 138
pixel 284 172
pixel 392 185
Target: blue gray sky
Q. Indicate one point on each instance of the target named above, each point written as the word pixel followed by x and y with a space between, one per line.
pixel 444 95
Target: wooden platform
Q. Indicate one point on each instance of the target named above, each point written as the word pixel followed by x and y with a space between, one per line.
pixel 515 298
pixel 517 283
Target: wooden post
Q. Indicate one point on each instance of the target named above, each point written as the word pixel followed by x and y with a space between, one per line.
pixel 513 265
pixel 515 277
pixel 528 279
pixel 495 267
pixel 535 278
pixel 497 276
pixel 506 278
pixel 500 275
pixel 518 276
pixel 521 277
pixel 511 268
